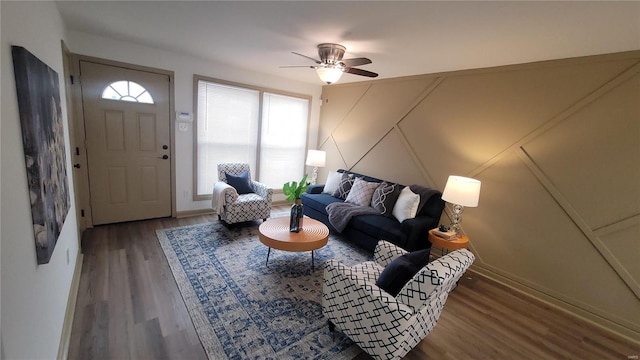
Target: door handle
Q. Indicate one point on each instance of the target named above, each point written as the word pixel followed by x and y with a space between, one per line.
pixel 77 166
pixel 164 157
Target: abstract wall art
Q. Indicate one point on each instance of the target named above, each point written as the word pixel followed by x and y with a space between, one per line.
pixel 44 148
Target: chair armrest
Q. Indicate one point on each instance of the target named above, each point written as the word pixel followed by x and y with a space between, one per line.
pixel 222 193
pixel 437 278
pixel 348 299
pixel 262 190
pixel 315 189
pixel 416 232
pixel 386 252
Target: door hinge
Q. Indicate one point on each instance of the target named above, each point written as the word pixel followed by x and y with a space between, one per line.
pixel 71 79
pixel 82 212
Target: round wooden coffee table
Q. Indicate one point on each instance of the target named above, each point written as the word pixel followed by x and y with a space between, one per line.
pixel 274 233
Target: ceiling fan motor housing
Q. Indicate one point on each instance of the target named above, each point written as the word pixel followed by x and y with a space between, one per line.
pixel 331 53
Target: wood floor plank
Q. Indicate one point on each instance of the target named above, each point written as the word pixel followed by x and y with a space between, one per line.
pixel 129 307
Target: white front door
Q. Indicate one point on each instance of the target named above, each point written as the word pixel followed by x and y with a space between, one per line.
pixel 127 125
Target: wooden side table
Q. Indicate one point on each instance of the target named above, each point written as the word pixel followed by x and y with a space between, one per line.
pixel 460 243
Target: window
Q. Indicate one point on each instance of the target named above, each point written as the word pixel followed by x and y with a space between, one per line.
pixel 127 91
pixel 284 138
pixel 231 128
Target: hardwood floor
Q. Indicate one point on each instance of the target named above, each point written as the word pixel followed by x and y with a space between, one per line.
pixel 129 307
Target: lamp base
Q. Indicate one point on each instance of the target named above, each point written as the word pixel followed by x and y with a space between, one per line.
pixel 456 218
pixel 314 176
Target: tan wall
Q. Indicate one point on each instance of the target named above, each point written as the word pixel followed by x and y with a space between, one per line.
pixel 556 145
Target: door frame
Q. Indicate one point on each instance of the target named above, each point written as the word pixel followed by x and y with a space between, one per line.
pixel 79 139
pixel 70 101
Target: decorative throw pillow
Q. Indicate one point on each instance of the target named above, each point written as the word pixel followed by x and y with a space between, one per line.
pixel 333 180
pixel 407 205
pixel 425 194
pixel 361 192
pixel 240 182
pixel 397 274
pixel 346 182
pixel 385 197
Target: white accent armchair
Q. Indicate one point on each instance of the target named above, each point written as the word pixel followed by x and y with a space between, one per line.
pixel 232 207
pixel 384 326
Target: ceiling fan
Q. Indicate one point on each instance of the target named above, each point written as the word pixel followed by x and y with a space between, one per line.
pixel 331 65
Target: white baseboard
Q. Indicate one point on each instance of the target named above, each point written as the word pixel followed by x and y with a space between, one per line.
pixel 65 338
pixel 188 213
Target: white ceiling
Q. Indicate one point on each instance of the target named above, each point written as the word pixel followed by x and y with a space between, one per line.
pixel 401 38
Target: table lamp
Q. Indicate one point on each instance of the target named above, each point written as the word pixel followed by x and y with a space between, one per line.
pixel 460 191
pixel 316 158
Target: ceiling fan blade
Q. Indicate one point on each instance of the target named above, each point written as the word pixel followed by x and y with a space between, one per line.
pixel 361 72
pixel 297 66
pixel 355 61
pixel 308 57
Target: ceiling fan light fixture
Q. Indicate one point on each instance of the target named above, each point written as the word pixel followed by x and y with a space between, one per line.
pixel 329 74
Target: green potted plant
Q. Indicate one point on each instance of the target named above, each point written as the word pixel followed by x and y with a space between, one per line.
pixel 293 190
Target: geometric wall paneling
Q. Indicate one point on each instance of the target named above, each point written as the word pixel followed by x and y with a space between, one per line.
pixel 590 235
pixel 376 112
pixel 337 101
pixel 558 217
pixel 623 245
pixel 398 162
pixel 430 141
pixel 593 156
pixel 334 160
pixel 519 232
pixel 473 116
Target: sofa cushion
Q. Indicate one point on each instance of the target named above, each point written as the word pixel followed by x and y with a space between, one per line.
pixel 425 194
pixel 406 206
pixel 394 277
pixel 346 182
pixel 357 175
pixel 318 202
pixel 361 192
pixel 385 197
pixel 333 180
pixel 240 182
pixel 378 227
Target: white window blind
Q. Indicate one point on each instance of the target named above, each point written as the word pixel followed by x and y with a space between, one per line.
pixel 227 130
pixel 283 140
pixel 228 124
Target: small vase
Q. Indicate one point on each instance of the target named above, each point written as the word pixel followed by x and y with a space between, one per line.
pixel 295 223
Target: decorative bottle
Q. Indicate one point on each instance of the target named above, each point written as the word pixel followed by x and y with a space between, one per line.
pixel 295 223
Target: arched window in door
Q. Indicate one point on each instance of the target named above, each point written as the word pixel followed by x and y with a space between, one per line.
pixel 127 91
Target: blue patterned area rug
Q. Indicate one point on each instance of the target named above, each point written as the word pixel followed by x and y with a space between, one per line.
pixel 242 309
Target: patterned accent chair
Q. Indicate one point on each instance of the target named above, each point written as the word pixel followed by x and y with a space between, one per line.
pixel 384 326
pixel 234 208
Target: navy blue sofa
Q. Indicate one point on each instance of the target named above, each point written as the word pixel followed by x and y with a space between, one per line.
pixel 366 230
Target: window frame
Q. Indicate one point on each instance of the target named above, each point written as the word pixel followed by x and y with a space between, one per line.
pixel 129 82
pixel 261 90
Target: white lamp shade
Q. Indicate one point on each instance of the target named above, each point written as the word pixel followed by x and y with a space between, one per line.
pixel 329 74
pixel 316 158
pixel 462 191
